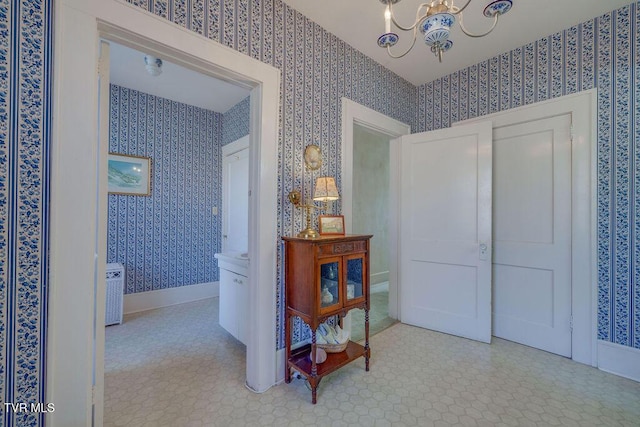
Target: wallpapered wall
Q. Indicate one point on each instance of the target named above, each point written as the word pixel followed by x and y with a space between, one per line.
pixel 598 53
pixel 317 69
pixel 235 122
pixel 168 239
pixel 602 53
pixel 25 143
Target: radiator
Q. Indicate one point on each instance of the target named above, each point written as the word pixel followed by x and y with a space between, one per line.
pixel 115 291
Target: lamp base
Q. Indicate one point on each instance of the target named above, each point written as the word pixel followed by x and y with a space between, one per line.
pixel 308 233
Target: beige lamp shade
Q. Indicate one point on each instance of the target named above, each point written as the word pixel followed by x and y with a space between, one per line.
pixel 326 189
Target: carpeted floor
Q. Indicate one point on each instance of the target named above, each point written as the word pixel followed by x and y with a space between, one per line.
pixel 379 319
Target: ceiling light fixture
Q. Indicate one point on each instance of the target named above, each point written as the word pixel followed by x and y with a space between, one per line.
pixel 153 65
pixel 434 20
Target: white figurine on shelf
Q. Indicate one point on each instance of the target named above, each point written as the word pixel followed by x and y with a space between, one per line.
pixel 327 298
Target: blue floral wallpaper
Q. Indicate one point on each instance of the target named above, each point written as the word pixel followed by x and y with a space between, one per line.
pixel 168 239
pixel 603 53
pixel 235 122
pixel 25 144
pixel 317 70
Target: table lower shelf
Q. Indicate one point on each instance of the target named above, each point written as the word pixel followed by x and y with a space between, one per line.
pixel 301 361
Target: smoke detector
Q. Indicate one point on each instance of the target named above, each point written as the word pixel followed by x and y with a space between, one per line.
pixel 153 65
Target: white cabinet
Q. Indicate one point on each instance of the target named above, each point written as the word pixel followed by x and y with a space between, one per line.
pixel 233 303
pixel 234 294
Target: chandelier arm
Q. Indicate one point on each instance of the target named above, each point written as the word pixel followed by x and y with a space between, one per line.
pixel 417 21
pixel 464 30
pixel 405 52
pixel 457 10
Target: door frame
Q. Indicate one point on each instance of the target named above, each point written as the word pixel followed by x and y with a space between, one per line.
pixel 584 287
pixel 72 322
pixel 352 114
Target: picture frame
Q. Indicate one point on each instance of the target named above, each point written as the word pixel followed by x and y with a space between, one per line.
pixel 129 175
pixel 331 225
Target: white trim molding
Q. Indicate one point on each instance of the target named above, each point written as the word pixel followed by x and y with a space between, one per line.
pixel 143 301
pixel 235 146
pixel 619 360
pixel 377 278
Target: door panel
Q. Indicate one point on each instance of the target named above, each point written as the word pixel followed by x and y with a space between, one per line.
pixel 532 233
pixel 445 230
pixel 236 201
pixel 523 188
pixel 444 163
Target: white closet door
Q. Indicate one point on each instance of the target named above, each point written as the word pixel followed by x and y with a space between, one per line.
pixel 445 231
pixel 532 233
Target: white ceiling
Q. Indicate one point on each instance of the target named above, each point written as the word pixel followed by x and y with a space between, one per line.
pixel 360 23
pixel 177 83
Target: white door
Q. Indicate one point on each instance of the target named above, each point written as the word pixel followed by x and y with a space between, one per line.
pixel 532 233
pixel 445 230
pixel 235 201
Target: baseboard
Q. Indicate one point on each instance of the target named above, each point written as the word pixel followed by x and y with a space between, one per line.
pixel 280 365
pixel 379 277
pixel 619 360
pixel 379 287
pixel 143 301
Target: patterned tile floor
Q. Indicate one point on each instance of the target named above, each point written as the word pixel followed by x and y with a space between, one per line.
pixel 176 367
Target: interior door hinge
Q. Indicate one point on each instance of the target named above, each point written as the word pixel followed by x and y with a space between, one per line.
pixel 93 395
pixel 571 132
pixel 101 67
pixel 571 322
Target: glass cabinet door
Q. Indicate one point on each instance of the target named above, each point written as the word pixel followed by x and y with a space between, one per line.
pixel 355 277
pixel 330 272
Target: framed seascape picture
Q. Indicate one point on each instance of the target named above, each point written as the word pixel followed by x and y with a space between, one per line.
pixel 331 224
pixel 129 175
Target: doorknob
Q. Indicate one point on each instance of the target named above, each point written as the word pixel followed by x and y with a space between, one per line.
pixel 484 251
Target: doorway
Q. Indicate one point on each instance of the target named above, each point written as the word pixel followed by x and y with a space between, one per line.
pixel 176 118
pixel 74 204
pixel 370 215
pixel 357 118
